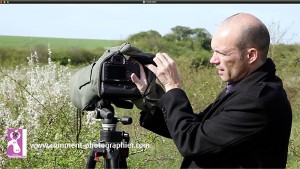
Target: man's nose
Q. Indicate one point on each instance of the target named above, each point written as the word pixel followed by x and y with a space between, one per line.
pixel 214 59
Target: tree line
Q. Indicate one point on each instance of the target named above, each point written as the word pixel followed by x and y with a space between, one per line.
pixel 180 42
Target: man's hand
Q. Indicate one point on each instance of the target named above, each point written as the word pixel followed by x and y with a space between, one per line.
pixel 141 82
pixel 165 71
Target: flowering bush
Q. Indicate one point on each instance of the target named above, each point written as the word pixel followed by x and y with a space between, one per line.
pixel 36 98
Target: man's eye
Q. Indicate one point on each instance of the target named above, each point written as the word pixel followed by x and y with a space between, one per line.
pixel 221 54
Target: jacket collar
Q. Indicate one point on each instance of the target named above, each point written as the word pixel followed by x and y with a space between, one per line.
pixel 267 69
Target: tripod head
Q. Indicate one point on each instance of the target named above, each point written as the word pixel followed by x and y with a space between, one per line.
pixel 114 157
pixel 106 112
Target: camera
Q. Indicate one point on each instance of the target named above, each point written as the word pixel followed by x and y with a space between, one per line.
pixel 115 78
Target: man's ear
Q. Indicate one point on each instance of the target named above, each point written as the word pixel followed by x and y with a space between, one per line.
pixel 252 55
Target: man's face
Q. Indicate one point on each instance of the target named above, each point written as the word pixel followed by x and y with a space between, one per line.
pixel 231 62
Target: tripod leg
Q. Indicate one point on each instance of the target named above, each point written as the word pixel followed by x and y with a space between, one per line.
pixel 122 163
pixel 115 163
pixel 112 163
pixel 91 163
pixel 107 163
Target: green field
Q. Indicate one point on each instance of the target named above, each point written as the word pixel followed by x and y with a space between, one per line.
pixel 30 42
pixel 14 50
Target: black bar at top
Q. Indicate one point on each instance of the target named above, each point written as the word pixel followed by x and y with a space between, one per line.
pixel 149 1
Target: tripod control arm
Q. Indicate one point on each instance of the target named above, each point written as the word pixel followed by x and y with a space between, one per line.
pixel 103 113
pixel 125 120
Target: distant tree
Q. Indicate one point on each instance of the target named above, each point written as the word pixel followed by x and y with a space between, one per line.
pixel 182 32
pixel 203 37
pixel 193 39
pixel 171 37
pixel 149 41
pixel 150 35
pixel 180 41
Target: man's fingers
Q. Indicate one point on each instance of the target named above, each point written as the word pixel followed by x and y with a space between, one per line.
pixel 141 84
pixel 168 58
pixel 134 78
pixel 152 68
pixel 165 71
pixel 142 72
pixel 162 58
pixel 159 60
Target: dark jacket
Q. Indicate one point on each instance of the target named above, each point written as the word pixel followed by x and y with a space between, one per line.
pixel 248 127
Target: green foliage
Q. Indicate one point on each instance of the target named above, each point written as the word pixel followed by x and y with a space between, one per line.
pixel 182 42
pixel 182 33
pixel 286 54
pixel 150 41
pixel 202 38
pixel 13 50
pixel 11 57
pixel 194 39
pixel 197 59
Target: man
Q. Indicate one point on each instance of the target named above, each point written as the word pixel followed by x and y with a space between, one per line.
pixel 246 126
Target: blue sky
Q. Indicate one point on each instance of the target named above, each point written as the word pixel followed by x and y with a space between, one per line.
pixel 118 21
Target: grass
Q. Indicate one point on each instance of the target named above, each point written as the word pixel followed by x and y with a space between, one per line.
pixel 14 50
pixel 30 42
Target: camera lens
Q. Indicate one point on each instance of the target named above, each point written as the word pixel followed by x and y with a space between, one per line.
pixel 118 59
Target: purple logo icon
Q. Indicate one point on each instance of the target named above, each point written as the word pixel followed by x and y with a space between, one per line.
pixel 17 143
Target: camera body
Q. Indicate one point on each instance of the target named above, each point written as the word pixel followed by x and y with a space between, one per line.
pixel 115 78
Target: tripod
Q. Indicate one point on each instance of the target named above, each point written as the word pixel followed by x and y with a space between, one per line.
pixel 113 143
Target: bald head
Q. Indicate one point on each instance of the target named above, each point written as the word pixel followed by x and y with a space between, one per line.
pixel 249 31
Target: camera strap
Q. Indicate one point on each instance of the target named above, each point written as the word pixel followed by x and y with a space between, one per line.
pixel 152 94
pixel 78 124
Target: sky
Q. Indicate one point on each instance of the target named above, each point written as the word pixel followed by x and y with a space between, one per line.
pixel 119 21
